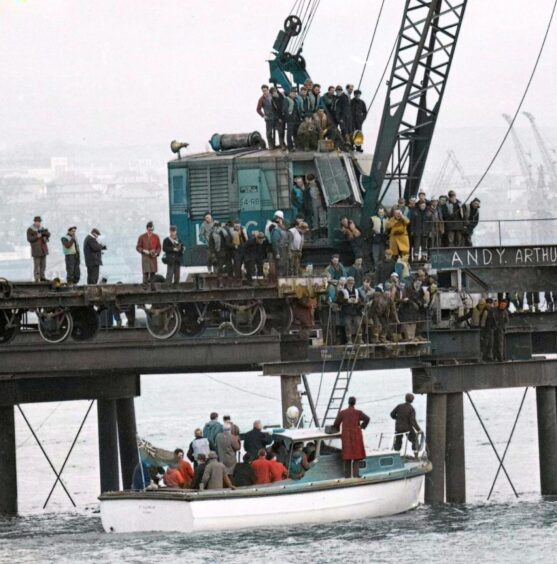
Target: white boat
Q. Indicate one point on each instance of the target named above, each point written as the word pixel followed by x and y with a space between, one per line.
pixel 388 484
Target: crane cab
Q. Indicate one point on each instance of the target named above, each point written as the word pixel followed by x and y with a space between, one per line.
pixel 251 184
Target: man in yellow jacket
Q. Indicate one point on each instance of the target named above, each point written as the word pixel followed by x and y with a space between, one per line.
pixel 399 243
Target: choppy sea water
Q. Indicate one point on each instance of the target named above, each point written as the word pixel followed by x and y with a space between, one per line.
pixel 504 529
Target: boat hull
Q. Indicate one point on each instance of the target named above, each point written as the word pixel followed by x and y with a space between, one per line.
pixel 272 506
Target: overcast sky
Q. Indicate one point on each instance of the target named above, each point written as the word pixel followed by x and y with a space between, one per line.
pixel 128 72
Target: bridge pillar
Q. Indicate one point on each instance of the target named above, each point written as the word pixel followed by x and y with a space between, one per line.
pixel 127 440
pixel 436 424
pixel 546 400
pixel 108 444
pixel 455 472
pixel 8 467
pixel 289 394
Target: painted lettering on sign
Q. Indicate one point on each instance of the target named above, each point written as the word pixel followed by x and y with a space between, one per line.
pixel 487 257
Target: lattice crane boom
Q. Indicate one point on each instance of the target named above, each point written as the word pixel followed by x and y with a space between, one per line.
pixel 523 161
pixel 548 162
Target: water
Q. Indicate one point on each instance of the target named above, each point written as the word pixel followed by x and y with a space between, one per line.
pixel 502 530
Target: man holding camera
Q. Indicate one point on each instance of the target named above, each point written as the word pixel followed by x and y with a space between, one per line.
pixel 70 248
pixel 92 250
pixel 38 237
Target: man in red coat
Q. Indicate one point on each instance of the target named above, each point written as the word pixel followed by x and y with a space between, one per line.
pixel 353 421
pixel 149 247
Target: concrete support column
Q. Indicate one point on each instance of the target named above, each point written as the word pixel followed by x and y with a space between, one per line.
pixel 8 467
pixel 108 444
pixel 455 472
pixel 289 395
pixel 436 423
pixel 127 440
pixel 547 438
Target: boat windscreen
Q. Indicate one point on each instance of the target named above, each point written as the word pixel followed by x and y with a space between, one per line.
pixel 296 435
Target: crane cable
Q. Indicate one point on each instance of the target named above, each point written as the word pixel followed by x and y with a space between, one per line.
pixel 371 42
pixel 519 105
pixel 384 72
pixel 309 23
pixel 307 18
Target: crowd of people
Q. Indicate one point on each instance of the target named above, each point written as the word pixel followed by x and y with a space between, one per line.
pixel 148 246
pixel 212 460
pixel 300 118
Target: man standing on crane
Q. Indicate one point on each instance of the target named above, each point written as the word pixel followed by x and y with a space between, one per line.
pixel 352 421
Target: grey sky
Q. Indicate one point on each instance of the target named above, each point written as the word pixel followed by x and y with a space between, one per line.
pixel 123 71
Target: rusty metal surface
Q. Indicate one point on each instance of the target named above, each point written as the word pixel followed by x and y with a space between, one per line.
pixel 483 376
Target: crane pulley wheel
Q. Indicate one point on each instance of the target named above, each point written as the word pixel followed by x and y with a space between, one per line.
pixel 292 26
pixel 301 62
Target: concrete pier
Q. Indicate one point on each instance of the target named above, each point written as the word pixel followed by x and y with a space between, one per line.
pixel 455 468
pixel 289 394
pixel 436 424
pixel 546 400
pixel 8 471
pixel 108 444
pixel 127 439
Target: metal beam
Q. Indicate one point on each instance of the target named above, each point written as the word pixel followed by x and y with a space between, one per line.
pixel 108 445
pixel 127 440
pixel 467 377
pixel 8 467
pixel 436 421
pixel 148 356
pixel 455 467
pixel 546 401
pixel 36 388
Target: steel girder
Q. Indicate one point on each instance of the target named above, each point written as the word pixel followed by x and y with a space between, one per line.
pixel 426 42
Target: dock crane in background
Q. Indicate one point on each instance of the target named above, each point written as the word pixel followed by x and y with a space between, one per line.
pixel 446 174
pixel 547 160
pixel 523 161
pixel 424 53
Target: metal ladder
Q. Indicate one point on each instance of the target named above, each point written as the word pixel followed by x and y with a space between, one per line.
pixel 342 380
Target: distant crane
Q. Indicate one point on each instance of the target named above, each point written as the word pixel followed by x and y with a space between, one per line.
pixel 446 174
pixel 523 161
pixel 549 164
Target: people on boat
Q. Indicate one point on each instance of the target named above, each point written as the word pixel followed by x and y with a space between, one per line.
pixel 179 474
pixel 227 447
pixel 277 469
pixel 243 474
pixel 215 475
pixel 211 429
pixel 234 429
pixel 141 476
pixel 255 440
pixel 404 415
pixel 199 445
pixel 199 471
pixel 262 468
pixel 298 462
pixel 311 451
pixel 351 421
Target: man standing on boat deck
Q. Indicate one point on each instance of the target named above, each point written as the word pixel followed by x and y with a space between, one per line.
pixel 262 468
pixel 149 247
pixel 255 440
pixel 199 445
pixel 351 421
pixel 404 415
pixel 215 476
pixel 227 447
pixel 211 429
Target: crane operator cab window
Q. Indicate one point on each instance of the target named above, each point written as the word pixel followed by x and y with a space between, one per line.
pixel 330 182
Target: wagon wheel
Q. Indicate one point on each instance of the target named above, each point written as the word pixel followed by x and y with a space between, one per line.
pixel 247 318
pixel 9 325
pixel 86 323
pixel 55 324
pixel 163 321
pixel 194 321
pixel 6 288
pixel 280 316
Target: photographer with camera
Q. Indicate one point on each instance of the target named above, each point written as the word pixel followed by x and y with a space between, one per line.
pixel 92 249
pixel 38 237
pixel 173 250
pixel 70 248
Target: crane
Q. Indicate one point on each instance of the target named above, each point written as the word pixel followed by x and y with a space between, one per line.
pixel 446 174
pixel 424 53
pixel 548 162
pixel 525 165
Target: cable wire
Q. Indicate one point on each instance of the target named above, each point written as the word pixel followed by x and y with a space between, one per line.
pixel 371 43
pixel 511 123
pixel 241 389
pixel 310 22
pixel 384 72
